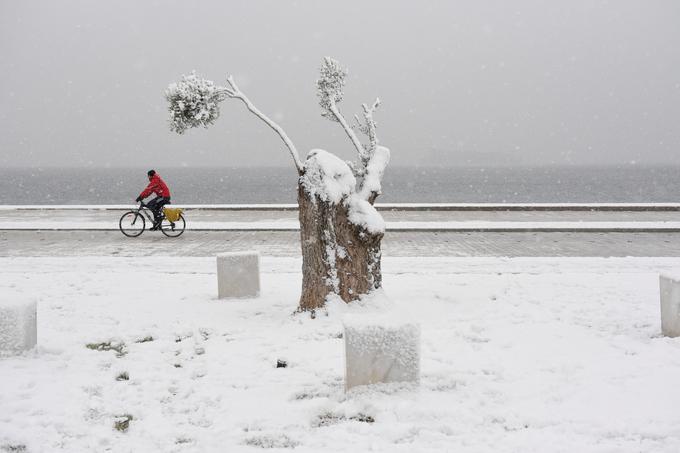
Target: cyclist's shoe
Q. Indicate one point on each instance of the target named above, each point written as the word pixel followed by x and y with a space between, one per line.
pixel 156 225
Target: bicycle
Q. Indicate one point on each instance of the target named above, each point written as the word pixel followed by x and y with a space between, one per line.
pixel 133 222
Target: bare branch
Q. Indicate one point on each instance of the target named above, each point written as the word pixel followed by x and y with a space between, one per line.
pixel 358 172
pixel 235 92
pixel 330 85
pixel 374 159
pixel 371 126
pixel 350 132
pixel 194 101
pixel 232 84
pixel 225 93
pixel 358 124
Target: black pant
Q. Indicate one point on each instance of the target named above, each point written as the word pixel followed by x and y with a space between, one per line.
pixel 156 205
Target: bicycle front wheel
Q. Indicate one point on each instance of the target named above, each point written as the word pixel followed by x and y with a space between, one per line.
pixel 173 229
pixel 132 224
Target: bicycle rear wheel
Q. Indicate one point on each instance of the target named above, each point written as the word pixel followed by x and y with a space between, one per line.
pixel 132 224
pixel 173 229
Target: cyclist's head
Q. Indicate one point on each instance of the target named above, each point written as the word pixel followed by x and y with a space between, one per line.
pixel 150 173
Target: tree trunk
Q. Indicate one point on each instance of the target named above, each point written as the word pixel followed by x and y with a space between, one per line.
pixel 338 257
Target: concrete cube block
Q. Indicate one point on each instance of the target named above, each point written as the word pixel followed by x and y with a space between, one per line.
pixel 669 289
pixel 18 325
pixel 238 275
pixel 380 349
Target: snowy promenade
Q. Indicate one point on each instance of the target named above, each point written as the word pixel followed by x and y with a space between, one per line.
pixel 287 243
pixel 413 230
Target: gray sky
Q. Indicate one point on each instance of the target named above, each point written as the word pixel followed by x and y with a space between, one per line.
pixel 521 82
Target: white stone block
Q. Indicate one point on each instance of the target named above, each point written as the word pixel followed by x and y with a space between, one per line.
pixel 18 325
pixel 238 275
pixel 669 289
pixel 380 349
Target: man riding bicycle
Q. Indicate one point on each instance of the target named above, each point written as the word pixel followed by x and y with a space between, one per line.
pixel 156 186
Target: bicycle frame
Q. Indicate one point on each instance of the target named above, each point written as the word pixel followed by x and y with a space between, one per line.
pixel 144 210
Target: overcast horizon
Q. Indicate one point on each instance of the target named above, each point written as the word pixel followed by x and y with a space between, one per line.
pixel 480 166
pixel 462 83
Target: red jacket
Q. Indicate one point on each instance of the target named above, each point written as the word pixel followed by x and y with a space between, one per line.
pixel 157 186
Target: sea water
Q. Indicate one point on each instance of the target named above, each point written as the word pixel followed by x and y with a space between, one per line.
pixel 631 184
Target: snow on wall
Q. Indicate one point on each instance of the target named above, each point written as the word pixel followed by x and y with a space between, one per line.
pixel 238 275
pixel 669 291
pixel 327 176
pixel 380 349
pixel 18 325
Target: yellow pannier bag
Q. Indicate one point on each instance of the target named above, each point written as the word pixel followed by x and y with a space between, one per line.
pixel 172 214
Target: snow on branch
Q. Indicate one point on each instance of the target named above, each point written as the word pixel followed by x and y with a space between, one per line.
pixel 372 158
pixel 330 92
pixel 194 101
pixel 371 185
pixel 368 128
pixel 330 86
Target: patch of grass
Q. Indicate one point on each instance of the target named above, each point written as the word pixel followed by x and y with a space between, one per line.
pixel 205 333
pixel 329 418
pixel 363 418
pixel 145 339
pixel 124 376
pixel 310 394
pixel 122 422
pixel 13 448
pixel 272 441
pixel 108 346
pixel 180 338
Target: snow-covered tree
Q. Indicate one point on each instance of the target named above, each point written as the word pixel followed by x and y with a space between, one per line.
pixel 341 231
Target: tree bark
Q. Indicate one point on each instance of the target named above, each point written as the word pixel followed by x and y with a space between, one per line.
pixel 338 257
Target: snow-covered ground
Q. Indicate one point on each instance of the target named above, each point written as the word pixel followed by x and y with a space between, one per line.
pixel 523 354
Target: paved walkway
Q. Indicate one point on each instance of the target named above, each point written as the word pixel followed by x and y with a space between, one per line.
pixel 286 243
pixel 396 243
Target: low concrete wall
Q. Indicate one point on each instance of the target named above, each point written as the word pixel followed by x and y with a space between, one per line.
pixel 616 207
